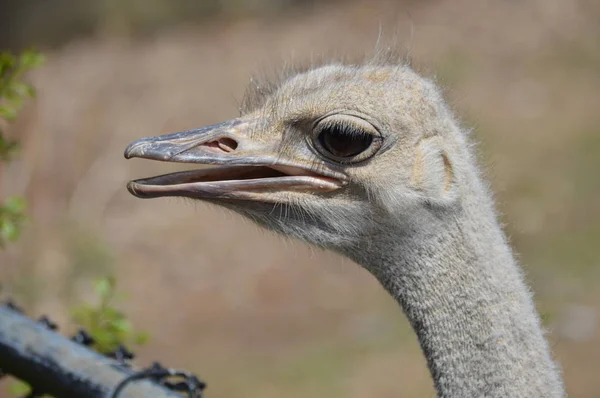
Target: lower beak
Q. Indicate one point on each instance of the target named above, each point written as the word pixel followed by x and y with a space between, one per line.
pixel 245 168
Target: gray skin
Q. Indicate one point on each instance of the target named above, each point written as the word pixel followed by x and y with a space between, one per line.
pixel 407 204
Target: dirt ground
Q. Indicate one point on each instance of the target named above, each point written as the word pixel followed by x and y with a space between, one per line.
pixel 258 316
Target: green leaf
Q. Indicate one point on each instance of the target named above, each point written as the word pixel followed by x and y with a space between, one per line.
pixel 7 61
pixel 103 287
pixel 8 112
pixel 31 91
pixel 31 59
pixel 15 205
pixel 111 314
pixel 8 230
pixel 104 340
pixel 19 90
pixel 122 325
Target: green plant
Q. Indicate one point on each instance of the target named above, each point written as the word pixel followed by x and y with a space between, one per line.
pixel 13 92
pixel 12 217
pixel 108 326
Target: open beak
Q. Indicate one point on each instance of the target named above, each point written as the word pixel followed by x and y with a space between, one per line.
pixel 245 168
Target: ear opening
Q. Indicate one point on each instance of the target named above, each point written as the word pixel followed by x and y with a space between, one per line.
pixel 433 171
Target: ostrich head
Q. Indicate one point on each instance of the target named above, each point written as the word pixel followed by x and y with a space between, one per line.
pixel 368 161
pixel 328 156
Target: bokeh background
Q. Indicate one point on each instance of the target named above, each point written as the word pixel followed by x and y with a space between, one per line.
pixel 252 314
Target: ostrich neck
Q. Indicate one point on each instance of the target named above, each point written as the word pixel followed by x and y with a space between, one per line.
pixel 458 283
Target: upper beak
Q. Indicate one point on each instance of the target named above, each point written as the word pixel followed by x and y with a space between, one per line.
pixel 250 168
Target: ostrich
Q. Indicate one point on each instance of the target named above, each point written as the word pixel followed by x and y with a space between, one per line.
pixel 368 161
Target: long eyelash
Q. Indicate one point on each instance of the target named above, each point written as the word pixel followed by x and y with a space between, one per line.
pixel 344 128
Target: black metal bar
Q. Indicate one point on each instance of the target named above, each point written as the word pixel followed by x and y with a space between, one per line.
pixel 60 367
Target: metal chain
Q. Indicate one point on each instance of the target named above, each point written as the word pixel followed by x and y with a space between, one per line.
pixel 159 374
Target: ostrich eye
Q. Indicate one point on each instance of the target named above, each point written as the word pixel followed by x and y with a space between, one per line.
pixel 346 139
pixel 343 142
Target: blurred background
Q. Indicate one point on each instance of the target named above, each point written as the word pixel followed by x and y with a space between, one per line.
pixel 252 314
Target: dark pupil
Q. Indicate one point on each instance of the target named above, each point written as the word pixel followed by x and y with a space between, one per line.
pixel 343 142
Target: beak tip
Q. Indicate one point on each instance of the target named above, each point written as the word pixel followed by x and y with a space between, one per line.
pixel 131 150
pixel 132 188
pixel 137 149
pixel 148 150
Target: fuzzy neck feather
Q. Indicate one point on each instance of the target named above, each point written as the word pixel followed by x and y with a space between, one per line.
pixel 456 279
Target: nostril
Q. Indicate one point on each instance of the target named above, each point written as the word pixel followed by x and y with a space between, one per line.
pixel 225 144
